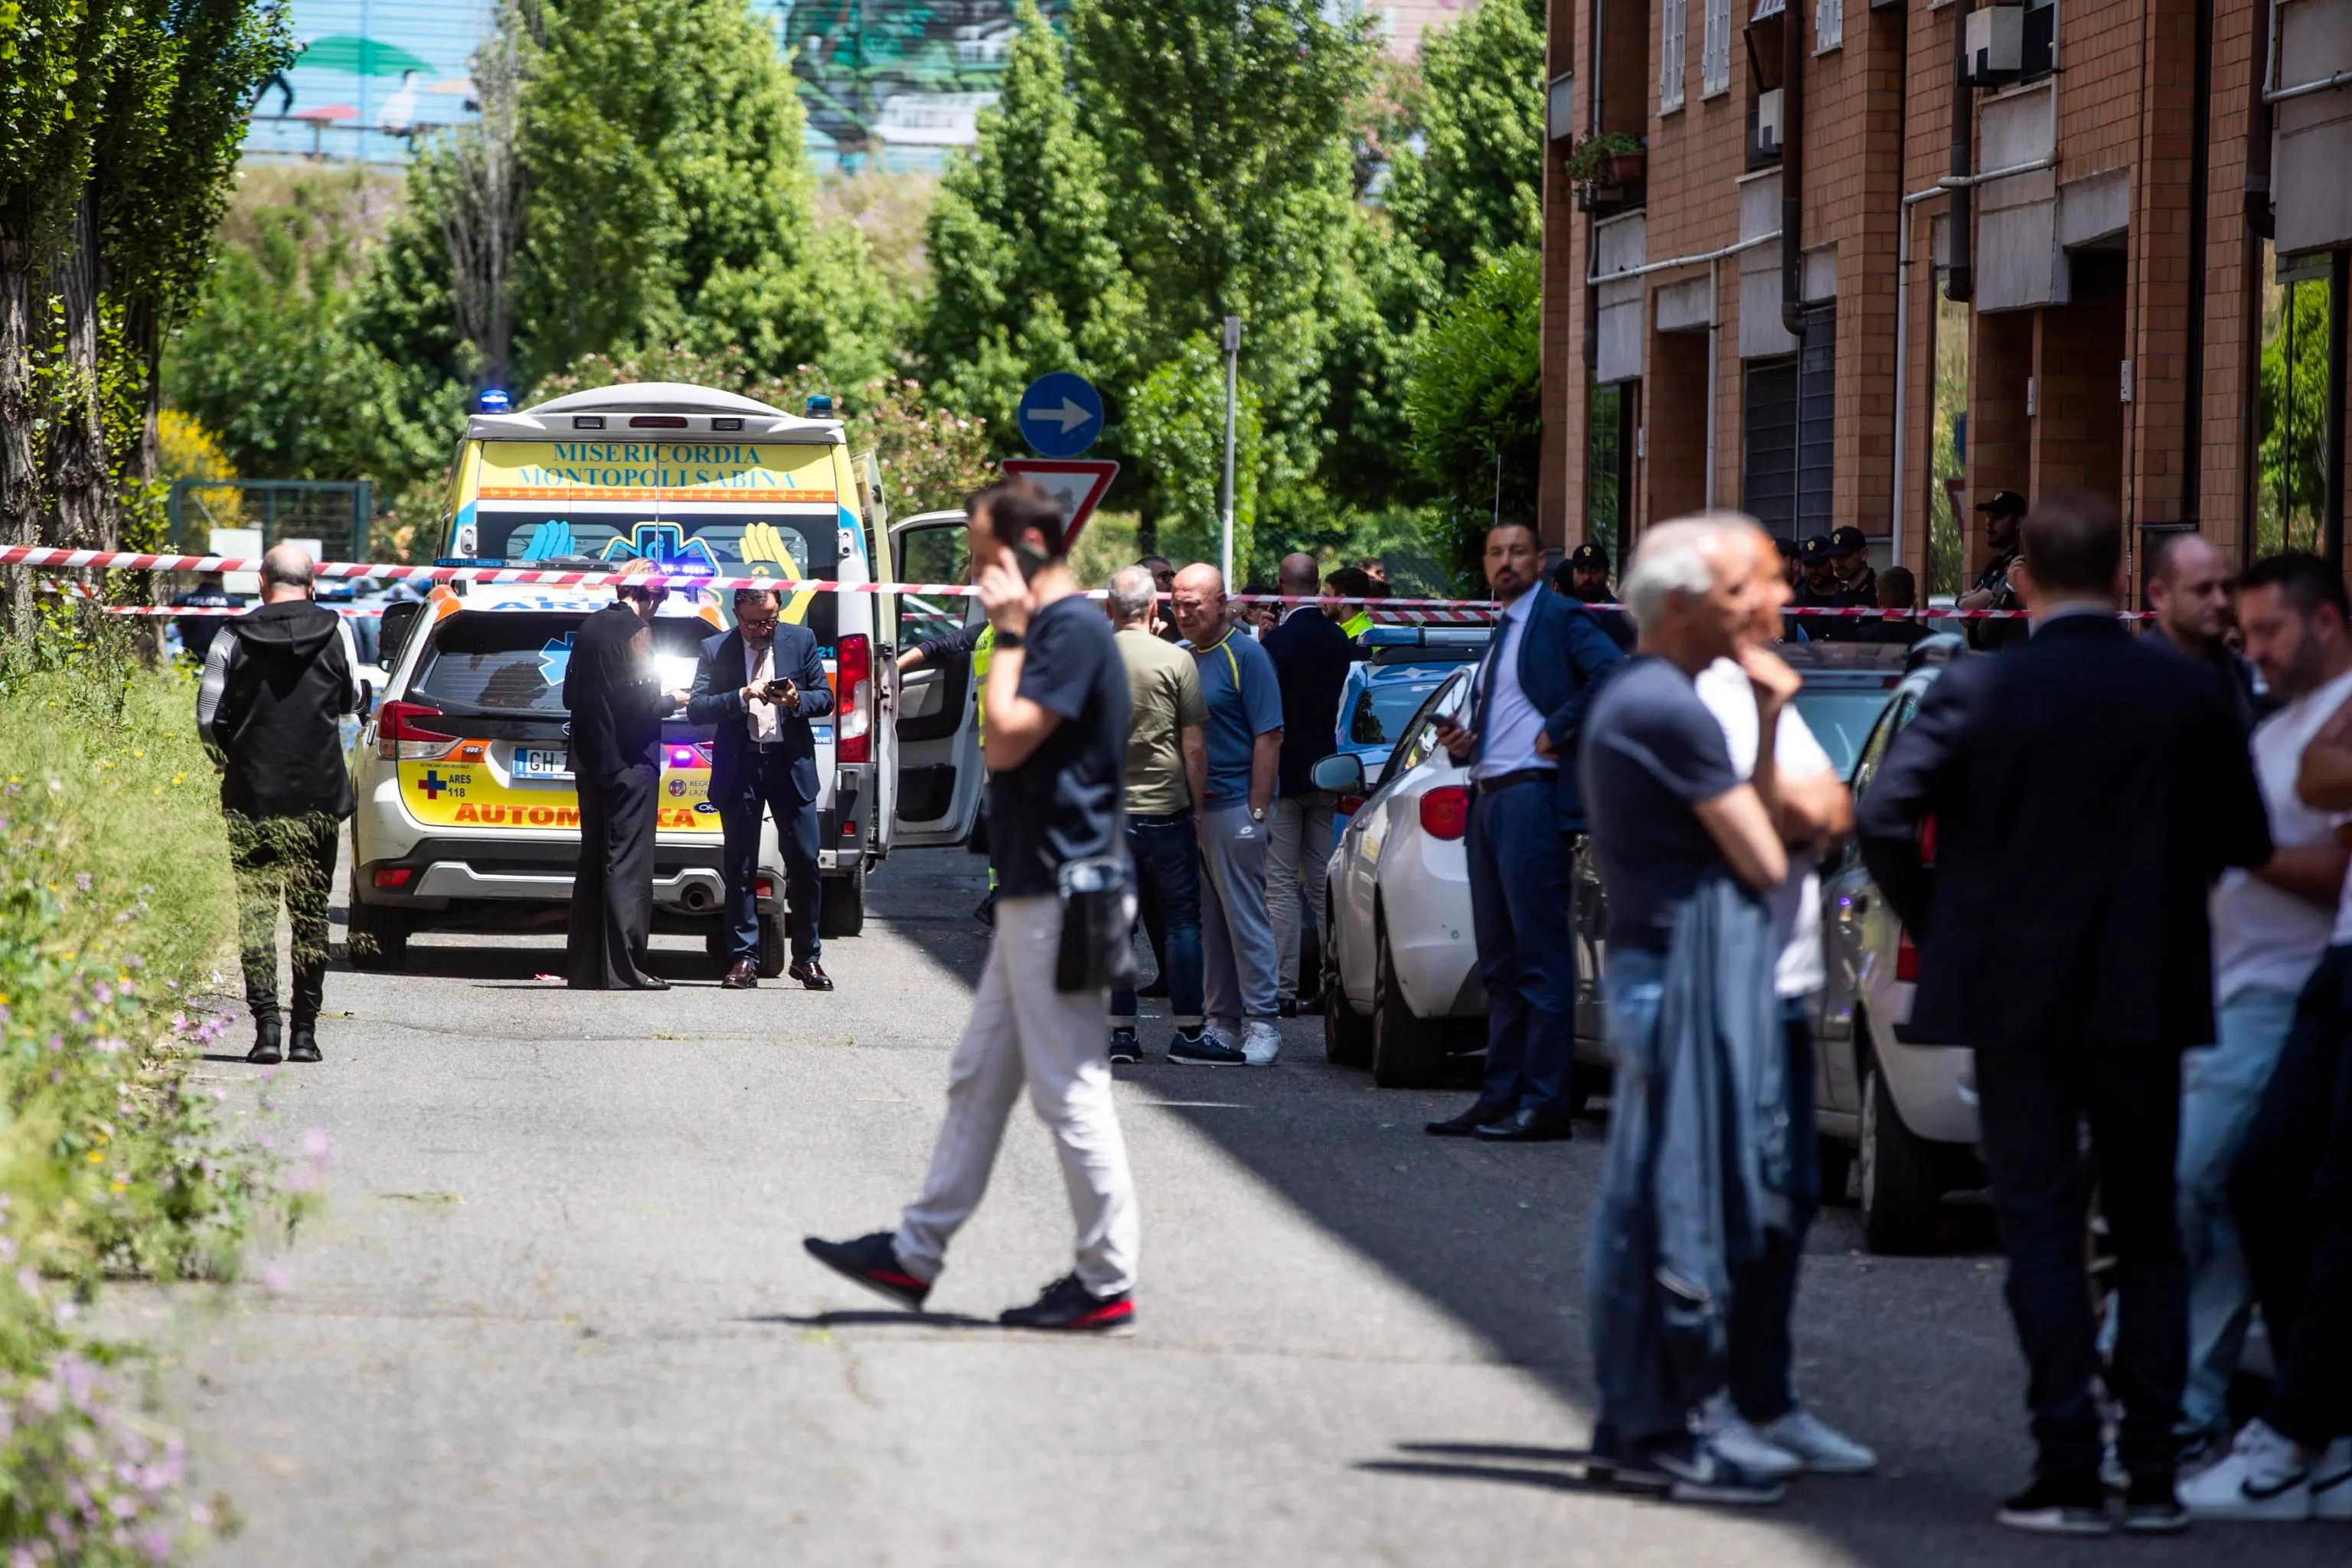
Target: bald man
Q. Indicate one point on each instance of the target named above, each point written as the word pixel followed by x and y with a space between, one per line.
pixel 277 684
pixel 2190 586
pixel 1311 656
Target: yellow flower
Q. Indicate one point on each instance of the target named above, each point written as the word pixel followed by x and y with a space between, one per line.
pixel 97 1157
pixel 120 1185
pixel 139 754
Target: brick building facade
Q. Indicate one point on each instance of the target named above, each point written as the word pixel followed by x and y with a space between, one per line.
pixel 2096 322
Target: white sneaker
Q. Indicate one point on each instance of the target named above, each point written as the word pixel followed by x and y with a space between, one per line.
pixel 1818 1445
pixel 2264 1478
pixel 1745 1446
pixel 2331 1482
pixel 1262 1044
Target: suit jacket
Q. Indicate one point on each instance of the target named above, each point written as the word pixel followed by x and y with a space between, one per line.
pixel 2086 788
pixel 717 700
pixel 1311 656
pixel 1564 653
pixel 614 695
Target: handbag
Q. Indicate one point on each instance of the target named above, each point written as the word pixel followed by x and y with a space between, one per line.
pixel 1097 948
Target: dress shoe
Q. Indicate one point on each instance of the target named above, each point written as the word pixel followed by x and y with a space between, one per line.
pixel 302 1043
pixel 1479 1114
pixel 741 976
pixel 266 1033
pixel 810 975
pixel 1526 1126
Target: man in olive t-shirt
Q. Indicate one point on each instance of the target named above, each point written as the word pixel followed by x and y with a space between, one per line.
pixel 1166 778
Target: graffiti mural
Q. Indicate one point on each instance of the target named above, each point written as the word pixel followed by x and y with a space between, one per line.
pixel 896 80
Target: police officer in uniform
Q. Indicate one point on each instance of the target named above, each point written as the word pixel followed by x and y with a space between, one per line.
pixel 617 705
pixel 1821 591
pixel 1857 582
pixel 1991 591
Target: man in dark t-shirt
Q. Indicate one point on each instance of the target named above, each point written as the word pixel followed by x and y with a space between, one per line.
pixel 1056 751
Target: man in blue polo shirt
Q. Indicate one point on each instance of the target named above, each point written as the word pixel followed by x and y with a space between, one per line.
pixel 1244 736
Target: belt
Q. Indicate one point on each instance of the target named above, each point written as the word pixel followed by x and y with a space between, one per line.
pixel 767 745
pixel 1523 776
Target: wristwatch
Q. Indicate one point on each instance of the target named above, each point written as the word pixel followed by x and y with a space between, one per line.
pixel 1010 640
pixel 1258 813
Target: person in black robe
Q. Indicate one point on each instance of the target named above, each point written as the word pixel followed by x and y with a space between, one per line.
pixel 617 705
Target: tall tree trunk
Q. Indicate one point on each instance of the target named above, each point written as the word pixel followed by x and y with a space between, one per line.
pixel 144 329
pixel 77 446
pixel 20 481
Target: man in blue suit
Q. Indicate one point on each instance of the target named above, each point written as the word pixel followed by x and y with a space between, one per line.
pixel 1526 704
pixel 759 685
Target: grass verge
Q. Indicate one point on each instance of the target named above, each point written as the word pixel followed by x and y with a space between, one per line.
pixel 116 919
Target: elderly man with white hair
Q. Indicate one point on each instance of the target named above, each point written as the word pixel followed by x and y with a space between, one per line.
pixel 1167 781
pixel 1688 848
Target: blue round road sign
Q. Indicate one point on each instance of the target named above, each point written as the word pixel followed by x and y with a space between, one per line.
pixel 1061 414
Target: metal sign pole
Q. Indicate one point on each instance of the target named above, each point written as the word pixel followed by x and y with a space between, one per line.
pixel 1233 358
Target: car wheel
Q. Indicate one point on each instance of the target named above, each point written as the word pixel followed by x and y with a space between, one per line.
pixel 1407 1052
pixel 1902 1185
pixel 841 908
pixel 772 955
pixel 1347 1034
pixel 1837 1162
pixel 378 937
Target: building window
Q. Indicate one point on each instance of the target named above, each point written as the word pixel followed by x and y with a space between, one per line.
pixel 1788 419
pixel 1715 51
pixel 2038 51
pixel 1670 57
pixel 1829 24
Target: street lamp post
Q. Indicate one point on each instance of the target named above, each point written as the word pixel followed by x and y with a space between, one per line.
pixel 1232 360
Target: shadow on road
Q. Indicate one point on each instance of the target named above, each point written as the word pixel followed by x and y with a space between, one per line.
pixel 875 1318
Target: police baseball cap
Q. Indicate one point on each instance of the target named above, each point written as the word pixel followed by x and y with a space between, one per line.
pixel 1588 554
pixel 1785 545
pixel 2004 503
pixel 1848 542
pixel 1817 548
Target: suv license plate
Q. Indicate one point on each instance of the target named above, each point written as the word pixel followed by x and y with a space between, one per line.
pixel 541 762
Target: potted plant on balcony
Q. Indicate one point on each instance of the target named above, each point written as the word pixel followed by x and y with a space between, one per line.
pixel 1611 159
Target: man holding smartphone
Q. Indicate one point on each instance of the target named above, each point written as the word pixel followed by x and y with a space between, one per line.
pixel 759 685
pixel 1056 749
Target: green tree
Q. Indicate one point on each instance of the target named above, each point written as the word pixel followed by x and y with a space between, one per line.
pixel 1475 399
pixel 273 365
pixel 1176 430
pixel 2291 489
pixel 669 199
pixel 1476 187
pixel 1224 126
pixel 1026 277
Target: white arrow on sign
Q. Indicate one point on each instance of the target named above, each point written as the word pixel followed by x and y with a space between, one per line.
pixel 1069 417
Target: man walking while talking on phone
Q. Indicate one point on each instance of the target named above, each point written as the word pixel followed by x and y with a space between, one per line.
pixel 759 685
pixel 1057 723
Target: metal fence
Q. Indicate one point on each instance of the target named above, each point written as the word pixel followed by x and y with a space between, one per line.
pixel 335 512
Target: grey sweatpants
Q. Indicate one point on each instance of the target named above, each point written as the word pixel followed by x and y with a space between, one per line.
pixel 1024 1032
pixel 1237 963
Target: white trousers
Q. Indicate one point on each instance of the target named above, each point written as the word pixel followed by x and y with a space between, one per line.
pixel 1023 1031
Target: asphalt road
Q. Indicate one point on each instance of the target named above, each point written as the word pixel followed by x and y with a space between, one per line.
pixel 557 1311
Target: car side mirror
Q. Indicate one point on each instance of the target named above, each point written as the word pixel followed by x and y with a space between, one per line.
pixel 1341 773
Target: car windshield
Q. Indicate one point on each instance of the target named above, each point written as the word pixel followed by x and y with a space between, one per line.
pixel 514 663
pixel 1385 707
pixel 794 546
pixel 1840 718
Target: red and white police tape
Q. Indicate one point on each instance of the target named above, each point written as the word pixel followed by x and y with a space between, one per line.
pixel 1461 612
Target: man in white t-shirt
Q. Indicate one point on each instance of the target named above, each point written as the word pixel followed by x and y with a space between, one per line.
pixel 2270 927
pixel 1766 1431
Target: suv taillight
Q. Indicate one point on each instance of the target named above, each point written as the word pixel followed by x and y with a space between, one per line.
pixel 399 737
pixel 1446 812
pixel 852 685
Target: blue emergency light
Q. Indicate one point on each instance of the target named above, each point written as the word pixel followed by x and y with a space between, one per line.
pixel 493 400
pixel 820 406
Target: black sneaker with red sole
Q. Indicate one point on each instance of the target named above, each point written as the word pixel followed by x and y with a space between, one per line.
pixel 872 1261
pixel 1068 1307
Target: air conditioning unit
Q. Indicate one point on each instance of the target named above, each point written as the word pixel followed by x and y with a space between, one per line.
pixel 1996 45
pixel 1768 123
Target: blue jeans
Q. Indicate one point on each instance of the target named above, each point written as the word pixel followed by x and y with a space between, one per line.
pixel 1629 1351
pixel 767 786
pixel 2220 1088
pixel 1764 1292
pixel 1518 863
pixel 1167 882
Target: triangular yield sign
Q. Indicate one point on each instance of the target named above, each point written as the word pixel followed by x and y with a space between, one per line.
pixel 1078 484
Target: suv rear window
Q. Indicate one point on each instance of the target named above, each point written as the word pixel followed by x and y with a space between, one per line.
pixel 790 544
pixel 513 662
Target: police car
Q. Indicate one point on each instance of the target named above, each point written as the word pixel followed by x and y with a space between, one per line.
pixel 468 818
